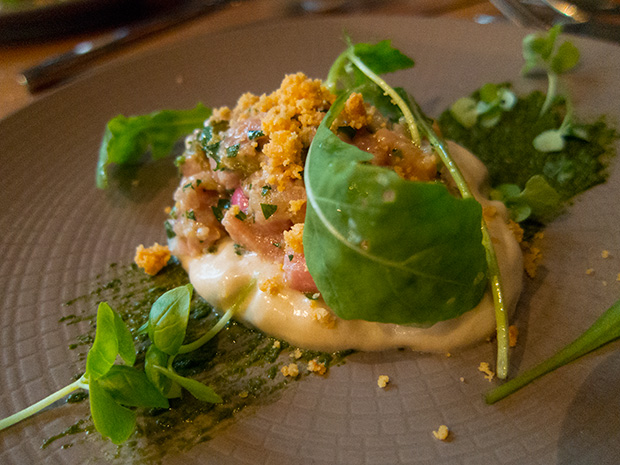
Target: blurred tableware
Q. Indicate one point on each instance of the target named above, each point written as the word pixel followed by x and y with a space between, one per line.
pixel 62 67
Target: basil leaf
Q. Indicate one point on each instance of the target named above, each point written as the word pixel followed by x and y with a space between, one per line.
pixel 168 319
pixel 384 249
pixel 126 139
pixel 111 419
pixel 130 387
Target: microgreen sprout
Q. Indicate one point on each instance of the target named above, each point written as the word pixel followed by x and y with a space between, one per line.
pixel 115 389
pixel 493 101
pixel 540 50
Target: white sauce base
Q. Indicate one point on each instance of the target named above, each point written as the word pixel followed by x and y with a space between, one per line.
pixel 290 315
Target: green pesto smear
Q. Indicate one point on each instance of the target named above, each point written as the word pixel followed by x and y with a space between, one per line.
pixel 508 152
pixel 241 364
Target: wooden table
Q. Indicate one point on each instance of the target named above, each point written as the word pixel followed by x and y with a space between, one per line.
pixel 15 58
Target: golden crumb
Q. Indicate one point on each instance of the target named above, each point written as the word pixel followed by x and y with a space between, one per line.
pixel 294 238
pixel 618 277
pixel 532 256
pixel 513 334
pixel 316 367
pixel 220 114
pixel 270 286
pixel 324 317
pixel 590 271
pixel 516 230
pixel 244 394
pixel 290 116
pixel 354 113
pixel 461 379
pixel 295 206
pixel 442 433
pixel 484 368
pixel 152 259
pixel 448 354
pixel 605 254
pixel 291 370
pixel 276 344
pixel 297 353
pixel 167 210
pixel 383 381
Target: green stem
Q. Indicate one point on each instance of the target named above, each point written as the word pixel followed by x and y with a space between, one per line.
pixel 551 92
pixel 604 330
pixel 396 99
pixel 35 408
pixel 186 348
pixel 413 116
pixel 501 317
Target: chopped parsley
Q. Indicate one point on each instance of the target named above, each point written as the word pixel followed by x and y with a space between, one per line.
pixel 268 209
pixel 232 151
pixel 265 190
pixel 253 135
pixel 218 210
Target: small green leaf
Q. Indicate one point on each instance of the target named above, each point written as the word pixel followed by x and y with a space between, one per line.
pixel 126 348
pixel 168 319
pixel 549 141
pixel 104 350
pixel 465 111
pixel 197 389
pixel 565 59
pixel 111 419
pixel 130 387
pixel 155 357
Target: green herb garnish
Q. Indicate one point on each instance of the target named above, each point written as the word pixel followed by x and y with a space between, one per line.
pixel 114 387
pixel 253 135
pixel 126 139
pixel 268 209
pixel 604 330
pixel 232 151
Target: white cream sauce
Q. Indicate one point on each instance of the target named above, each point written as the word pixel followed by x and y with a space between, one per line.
pixel 290 315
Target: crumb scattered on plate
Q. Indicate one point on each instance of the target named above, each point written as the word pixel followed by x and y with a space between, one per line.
pixel 442 433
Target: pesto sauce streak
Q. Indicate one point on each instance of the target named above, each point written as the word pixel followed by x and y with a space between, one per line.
pixel 507 151
pixel 241 364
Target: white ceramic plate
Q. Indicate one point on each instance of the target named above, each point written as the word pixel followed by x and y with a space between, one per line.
pixel 58 233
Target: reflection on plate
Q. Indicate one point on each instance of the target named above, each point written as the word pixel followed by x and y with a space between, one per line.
pixel 58 233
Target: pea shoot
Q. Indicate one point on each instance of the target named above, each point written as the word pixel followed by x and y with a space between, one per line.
pixel 116 389
pixel 541 50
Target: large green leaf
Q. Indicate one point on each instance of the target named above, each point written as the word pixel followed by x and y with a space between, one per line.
pixel 384 249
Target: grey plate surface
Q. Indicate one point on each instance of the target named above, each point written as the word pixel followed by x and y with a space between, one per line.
pixel 57 233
